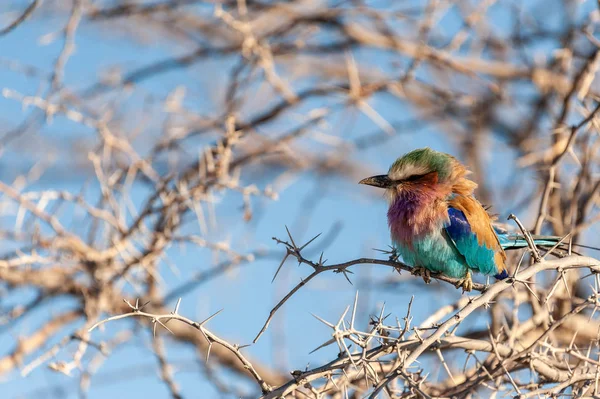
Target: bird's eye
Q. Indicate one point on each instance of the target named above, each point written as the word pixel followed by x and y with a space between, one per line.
pixel 415 177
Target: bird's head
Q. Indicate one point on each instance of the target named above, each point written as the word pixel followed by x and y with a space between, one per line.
pixel 422 169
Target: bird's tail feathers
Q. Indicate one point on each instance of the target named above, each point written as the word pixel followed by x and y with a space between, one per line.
pixel 514 241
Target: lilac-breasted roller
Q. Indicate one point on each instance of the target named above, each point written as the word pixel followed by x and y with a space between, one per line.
pixel 437 225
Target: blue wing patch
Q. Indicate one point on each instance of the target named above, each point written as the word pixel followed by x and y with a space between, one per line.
pixel 459 225
pixel 501 276
pixel 478 257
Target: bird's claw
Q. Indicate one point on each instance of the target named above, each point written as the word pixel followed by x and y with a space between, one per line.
pixel 465 283
pixel 423 272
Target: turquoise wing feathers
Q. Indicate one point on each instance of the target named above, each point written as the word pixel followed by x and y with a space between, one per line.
pixel 478 257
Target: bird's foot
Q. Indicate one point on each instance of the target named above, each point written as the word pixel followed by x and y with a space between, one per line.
pixel 465 283
pixel 423 272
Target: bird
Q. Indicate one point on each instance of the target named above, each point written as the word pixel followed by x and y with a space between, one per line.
pixel 436 223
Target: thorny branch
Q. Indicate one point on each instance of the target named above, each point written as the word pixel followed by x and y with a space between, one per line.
pixel 211 338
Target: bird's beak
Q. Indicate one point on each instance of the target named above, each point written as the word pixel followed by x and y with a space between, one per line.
pixel 381 181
